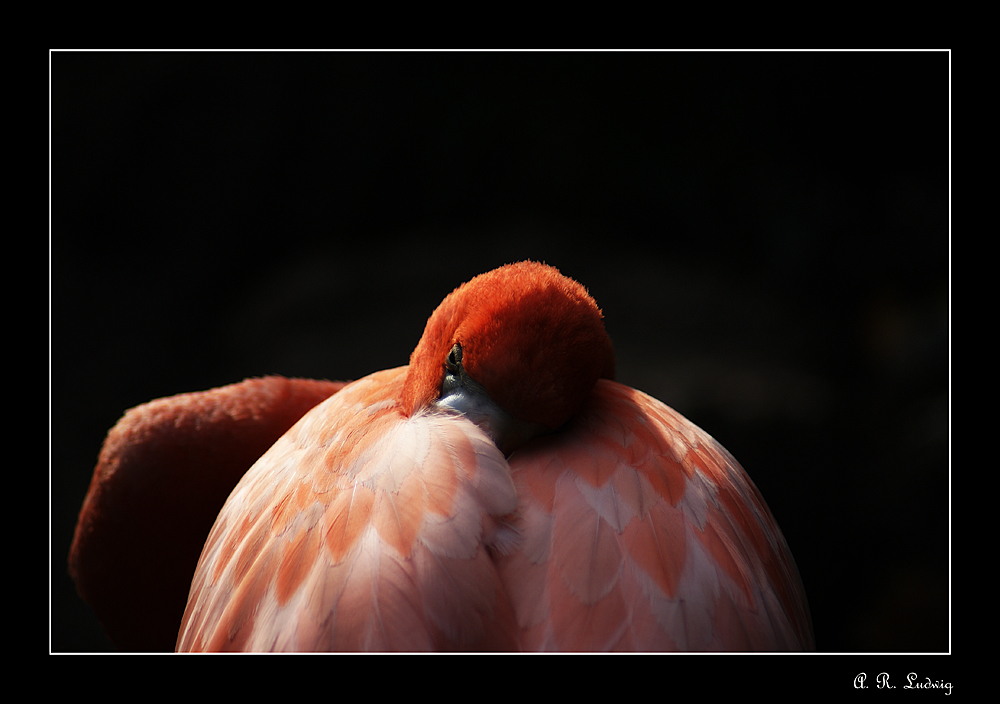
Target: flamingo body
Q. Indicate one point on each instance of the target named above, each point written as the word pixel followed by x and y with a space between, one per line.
pixel 501 492
pixel 632 529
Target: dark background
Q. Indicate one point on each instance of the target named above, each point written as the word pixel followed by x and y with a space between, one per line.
pixel 767 234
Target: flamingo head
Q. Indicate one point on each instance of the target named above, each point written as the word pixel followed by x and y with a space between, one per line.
pixel 517 350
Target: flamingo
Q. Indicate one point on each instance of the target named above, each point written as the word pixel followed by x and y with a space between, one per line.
pixel 500 493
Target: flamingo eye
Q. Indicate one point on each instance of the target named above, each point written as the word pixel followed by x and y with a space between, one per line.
pixel 453 362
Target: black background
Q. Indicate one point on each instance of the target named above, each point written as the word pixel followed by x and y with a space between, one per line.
pixel 767 234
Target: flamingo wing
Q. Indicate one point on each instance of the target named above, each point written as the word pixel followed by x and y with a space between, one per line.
pixel 360 529
pixel 640 532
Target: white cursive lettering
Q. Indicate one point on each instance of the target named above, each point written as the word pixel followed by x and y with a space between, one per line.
pixel 928 683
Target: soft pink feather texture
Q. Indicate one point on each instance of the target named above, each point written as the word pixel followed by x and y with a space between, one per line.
pixel 642 533
pixel 380 539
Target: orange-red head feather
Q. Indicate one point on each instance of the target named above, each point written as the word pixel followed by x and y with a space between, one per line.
pixel 533 338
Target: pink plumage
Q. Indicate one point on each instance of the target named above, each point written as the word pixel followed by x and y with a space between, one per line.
pixel 360 530
pixel 500 493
